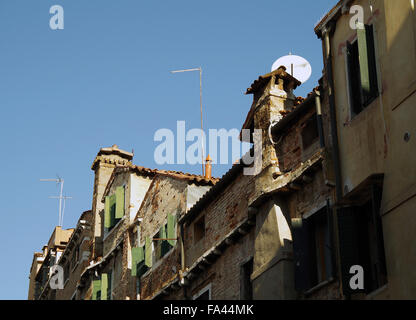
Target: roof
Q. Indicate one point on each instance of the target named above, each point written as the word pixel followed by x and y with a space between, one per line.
pixel 147 172
pixel 114 150
pixel 264 80
pixel 226 179
pixel 333 14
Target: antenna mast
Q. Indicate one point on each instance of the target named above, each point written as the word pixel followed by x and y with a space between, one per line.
pixel 61 197
pixel 200 102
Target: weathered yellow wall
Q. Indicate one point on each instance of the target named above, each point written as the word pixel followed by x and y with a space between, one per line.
pixel 373 141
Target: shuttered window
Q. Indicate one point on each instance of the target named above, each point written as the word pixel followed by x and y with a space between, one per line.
pixel 171 227
pixel 104 286
pixel 361 243
pixel 312 248
pixel 148 261
pixel 119 203
pixel 362 70
pixel 137 256
pixel 114 208
pixel 96 289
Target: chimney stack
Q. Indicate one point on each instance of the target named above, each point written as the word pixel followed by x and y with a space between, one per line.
pixel 208 167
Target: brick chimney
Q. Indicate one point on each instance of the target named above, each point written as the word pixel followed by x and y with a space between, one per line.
pixel 272 98
pixel 103 165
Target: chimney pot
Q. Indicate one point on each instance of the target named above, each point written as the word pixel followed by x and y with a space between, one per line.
pixel 208 167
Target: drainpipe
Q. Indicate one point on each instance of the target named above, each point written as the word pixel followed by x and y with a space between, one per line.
pixel 183 265
pixel 332 115
pixel 334 134
pixel 319 118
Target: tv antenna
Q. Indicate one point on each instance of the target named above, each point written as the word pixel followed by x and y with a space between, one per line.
pixel 200 102
pixel 61 197
pixel 298 67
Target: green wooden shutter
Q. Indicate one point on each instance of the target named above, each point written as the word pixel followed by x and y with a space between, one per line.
pixel 104 286
pixel 112 210
pixel 363 58
pixel 96 289
pixel 301 254
pixel 165 246
pixel 148 252
pixel 107 219
pixel 348 245
pixel 137 256
pixel 171 229
pixel 119 202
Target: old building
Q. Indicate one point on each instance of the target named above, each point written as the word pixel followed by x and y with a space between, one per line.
pixel 40 274
pixel 332 199
pixel 370 81
pixel 75 257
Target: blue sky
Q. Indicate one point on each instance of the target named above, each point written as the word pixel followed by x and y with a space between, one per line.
pixel 105 80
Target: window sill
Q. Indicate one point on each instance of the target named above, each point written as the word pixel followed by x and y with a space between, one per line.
pixel 319 286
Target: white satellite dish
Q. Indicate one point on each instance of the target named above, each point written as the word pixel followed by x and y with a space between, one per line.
pixel 297 66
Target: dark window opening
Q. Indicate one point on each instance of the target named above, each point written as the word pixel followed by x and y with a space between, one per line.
pixel 161 247
pixel 362 70
pixel 199 229
pixel 310 132
pixel 312 246
pixel 362 243
pixel 246 287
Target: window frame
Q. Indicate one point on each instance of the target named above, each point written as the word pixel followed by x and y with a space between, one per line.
pixel 348 74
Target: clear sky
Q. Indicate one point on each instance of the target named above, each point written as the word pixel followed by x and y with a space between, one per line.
pixel 105 80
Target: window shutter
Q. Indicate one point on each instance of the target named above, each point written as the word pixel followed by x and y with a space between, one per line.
pixel 104 286
pixel 363 58
pixel 348 245
pixel 172 229
pixel 119 202
pixel 301 254
pixel 112 210
pixel 165 246
pixel 96 289
pixel 148 252
pixel 137 255
pixel 107 219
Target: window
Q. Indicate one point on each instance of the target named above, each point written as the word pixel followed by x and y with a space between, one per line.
pixel 96 289
pixel 199 229
pixel 110 285
pixel 114 208
pixel 312 248
pixel 160 244
pixel 246 288
pixel 204 294
pixel 362 70
pixel 361 242
pixel 310 132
